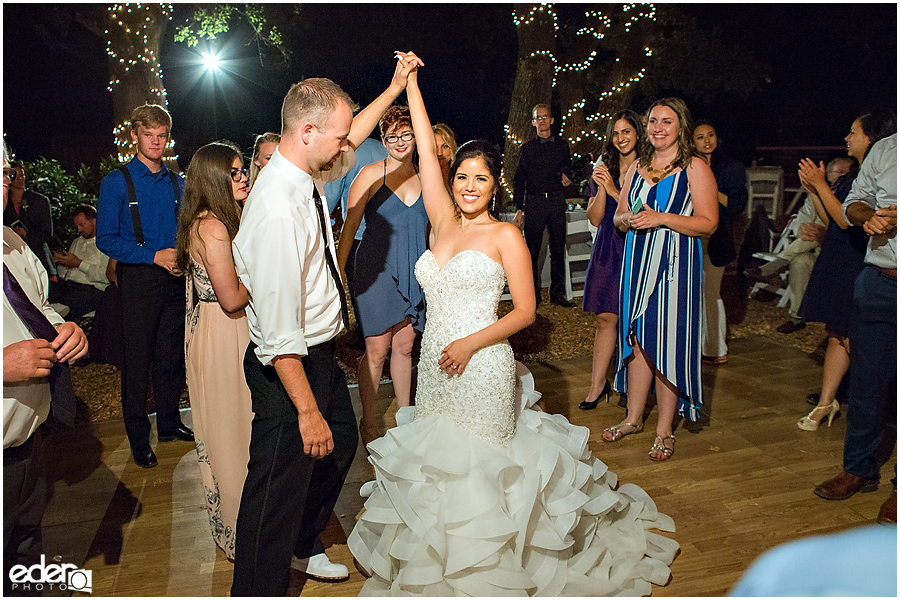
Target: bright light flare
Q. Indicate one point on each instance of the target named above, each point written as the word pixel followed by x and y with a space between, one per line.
pixel 211 62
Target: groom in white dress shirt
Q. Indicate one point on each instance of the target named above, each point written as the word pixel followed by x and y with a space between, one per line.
pixel 304 430
pixel 294 315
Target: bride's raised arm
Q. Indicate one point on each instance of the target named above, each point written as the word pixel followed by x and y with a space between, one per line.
pixel 438 203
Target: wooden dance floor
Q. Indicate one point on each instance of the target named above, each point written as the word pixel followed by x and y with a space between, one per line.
pixel 741 482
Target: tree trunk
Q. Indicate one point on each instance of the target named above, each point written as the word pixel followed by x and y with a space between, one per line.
pixel 533 85
pixel 133 34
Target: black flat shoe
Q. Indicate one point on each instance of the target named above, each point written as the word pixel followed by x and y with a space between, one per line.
pixel 561 302
pixel 791 326
pixel 604 397
pixel 182 433
pixel 144 458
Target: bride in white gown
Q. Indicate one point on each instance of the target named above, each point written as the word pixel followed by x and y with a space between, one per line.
pixel 471 498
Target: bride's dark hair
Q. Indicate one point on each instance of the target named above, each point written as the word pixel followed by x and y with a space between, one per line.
pixel 494 162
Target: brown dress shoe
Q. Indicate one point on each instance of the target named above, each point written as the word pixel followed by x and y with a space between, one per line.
pixel 845 485
pixel 888 513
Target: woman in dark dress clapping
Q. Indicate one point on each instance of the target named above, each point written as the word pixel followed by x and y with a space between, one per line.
pixel 829 295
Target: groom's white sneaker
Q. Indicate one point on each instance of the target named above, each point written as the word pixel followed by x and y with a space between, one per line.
pixel 319 567
pixel 366 489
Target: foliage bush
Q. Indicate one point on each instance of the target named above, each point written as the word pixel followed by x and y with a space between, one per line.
pixel 46 176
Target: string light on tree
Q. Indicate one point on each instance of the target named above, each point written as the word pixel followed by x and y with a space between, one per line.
pixel 132 21
pixel 618 88
pixel 648 13
pixel 511 136
pixel 600 29
pixel 505 184
pixel 533 14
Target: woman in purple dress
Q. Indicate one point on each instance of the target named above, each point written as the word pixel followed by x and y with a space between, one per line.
pixel 624 136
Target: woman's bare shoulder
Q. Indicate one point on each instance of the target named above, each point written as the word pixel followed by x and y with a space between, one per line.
pixel 504 234
pixel 209 227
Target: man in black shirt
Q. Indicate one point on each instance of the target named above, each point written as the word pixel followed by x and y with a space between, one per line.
pixel 538 190
pixel 28 214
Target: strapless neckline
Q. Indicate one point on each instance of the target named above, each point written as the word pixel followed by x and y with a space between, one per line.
pixel 461 252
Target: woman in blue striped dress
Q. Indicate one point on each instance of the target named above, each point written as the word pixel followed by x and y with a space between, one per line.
pixel 670 202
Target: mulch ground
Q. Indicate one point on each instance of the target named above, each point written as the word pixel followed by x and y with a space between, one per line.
pixel 557 334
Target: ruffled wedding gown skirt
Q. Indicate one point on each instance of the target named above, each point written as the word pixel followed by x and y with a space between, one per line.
pixel 467 502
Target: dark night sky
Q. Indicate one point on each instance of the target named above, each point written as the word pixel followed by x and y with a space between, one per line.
pixel 825 64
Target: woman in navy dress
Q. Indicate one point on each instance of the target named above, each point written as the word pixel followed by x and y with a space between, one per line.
pixel 390 301
pixel 829 295
pixel 718 250
pixel 670 202
pixel 624 138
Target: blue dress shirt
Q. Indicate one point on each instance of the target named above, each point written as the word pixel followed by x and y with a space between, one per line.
pixel 370 151
pixel 156 203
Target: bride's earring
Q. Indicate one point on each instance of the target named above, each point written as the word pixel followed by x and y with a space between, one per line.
pixel 494 202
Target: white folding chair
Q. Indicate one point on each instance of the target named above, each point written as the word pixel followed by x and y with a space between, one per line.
pixel 765 185
pixel 775 248
pixel 579 243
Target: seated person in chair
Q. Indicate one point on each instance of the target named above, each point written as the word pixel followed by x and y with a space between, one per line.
pixel 807 231
pixel 82 270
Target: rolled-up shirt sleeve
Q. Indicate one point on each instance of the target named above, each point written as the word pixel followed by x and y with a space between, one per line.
pixel 863 190
pixel 93 262
pixel 876 187
pixel 275 273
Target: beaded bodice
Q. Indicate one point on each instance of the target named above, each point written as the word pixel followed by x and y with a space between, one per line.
pixel 462 298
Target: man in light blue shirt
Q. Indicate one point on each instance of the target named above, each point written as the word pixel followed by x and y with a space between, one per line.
pixel 872 205
pixel 854 563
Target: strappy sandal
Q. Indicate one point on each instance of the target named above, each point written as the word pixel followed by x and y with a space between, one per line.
pixel 615 433
pixel 659 445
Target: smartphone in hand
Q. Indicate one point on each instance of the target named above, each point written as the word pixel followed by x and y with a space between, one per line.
pixel 636 204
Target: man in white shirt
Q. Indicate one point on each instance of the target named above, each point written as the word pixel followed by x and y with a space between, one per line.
pixel 304 430
pixel 82 270
pixel 27 361
pixel 872 205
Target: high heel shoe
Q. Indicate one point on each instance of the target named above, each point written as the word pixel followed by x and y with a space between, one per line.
pixel 603 397
pixel 807 423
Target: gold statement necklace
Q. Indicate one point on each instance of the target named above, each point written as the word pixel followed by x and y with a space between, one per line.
pixel 660 173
